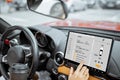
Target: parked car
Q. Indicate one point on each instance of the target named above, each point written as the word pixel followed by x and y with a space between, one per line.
pixel 91 3
pixel 76 5
pixel 109 3
pixel 19 4
pixel 8 6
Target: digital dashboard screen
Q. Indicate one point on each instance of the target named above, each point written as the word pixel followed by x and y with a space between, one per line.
pixel 93 50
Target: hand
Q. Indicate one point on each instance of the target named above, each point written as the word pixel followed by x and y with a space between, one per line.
pixel 81 73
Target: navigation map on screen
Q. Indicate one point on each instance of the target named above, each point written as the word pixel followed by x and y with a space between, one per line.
pixel 93 50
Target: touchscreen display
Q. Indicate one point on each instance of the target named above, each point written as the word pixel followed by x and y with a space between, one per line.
pixel 93 50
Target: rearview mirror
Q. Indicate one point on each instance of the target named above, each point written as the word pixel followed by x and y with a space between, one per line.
pixel 53 8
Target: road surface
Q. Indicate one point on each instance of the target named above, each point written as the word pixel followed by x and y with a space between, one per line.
pixel 28 18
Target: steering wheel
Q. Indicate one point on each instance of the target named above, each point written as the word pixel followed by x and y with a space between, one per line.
pixel 17 51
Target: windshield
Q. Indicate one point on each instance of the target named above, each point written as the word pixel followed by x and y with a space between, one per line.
pixel 97 14
pixel 81 13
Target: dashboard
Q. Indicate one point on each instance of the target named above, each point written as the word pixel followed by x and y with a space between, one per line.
pixel 112 66
pixel 60 36
pixel 55 45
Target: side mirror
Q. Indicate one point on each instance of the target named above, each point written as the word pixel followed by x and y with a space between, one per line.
pixel 52 8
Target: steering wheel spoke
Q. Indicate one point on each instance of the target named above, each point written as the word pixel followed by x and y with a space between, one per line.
pixel 27 51
pixel 4 59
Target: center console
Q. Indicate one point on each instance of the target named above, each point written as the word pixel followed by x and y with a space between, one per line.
pixel 94 50
pixel 99 49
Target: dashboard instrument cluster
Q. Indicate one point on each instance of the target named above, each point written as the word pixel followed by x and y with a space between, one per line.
pixel 44 41
pixel 41 39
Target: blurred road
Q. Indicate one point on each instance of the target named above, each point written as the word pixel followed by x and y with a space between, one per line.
pixel 28 18
pixel 97 15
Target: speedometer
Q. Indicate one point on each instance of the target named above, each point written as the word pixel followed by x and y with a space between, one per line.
pixel 41 39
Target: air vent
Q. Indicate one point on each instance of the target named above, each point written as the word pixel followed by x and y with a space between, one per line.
pixel 59 58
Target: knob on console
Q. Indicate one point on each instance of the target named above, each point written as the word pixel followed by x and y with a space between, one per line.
pixel 62 77
pixel 59 58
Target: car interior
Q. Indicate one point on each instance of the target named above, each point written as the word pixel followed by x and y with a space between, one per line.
pixel 27 51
